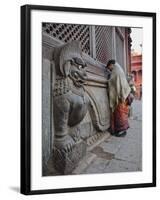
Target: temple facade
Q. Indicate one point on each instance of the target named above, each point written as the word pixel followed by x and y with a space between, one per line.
pixel 136 70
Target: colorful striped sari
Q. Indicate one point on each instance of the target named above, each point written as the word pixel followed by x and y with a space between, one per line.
pixel 119 118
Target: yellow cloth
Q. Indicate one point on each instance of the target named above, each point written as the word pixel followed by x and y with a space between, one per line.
pixel 118 86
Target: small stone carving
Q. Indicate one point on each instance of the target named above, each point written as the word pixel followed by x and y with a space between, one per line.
pixel 70 105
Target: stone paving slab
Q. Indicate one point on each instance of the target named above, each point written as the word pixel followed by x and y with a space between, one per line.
pixel 120 166
pixel 130 153
pixel 97 166
pixel 84 163
pixel 111 146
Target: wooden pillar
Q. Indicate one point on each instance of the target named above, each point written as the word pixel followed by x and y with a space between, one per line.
pixel 92 40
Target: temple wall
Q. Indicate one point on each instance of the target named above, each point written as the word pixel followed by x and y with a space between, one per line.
pixel 95 88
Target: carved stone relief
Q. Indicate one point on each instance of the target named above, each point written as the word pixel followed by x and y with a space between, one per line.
pixel 75 107
pixel 70 104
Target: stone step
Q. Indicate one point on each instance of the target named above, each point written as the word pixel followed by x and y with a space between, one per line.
pixel 96 140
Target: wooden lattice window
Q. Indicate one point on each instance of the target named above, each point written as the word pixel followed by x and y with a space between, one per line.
pixel 103 37
pixel 119 47
pixel 69 32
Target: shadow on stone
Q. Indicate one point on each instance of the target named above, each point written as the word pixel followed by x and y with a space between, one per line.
pixel 100 153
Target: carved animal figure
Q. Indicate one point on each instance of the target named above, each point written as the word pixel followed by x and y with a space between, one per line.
pixel 70 102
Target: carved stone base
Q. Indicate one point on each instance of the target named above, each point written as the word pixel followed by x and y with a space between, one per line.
pixel 66 162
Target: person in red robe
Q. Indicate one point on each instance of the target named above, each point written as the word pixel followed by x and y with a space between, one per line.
pixel 119 99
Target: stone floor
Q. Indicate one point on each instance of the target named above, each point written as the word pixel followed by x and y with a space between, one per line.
pixel 116 154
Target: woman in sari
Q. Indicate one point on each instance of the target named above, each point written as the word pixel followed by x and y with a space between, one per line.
pixel 119 99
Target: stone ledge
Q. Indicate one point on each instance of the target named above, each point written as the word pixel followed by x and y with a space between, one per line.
pixel 102 137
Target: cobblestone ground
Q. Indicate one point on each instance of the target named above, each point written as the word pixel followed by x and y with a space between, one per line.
pixel 120 154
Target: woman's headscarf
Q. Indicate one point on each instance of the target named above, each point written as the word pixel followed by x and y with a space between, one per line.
pixel 119 88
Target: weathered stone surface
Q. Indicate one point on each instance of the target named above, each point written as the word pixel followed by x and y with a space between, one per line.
pixel 70 102
pixel 131 148
pixel 96 140
pixel 111 146
pixel 83 164
pixel 73 103
pixel 97 166
pixel 78 99
pixel 66 162
pixel 120 166
pixel 46 112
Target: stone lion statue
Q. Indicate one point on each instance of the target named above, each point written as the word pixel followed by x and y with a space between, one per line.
pixel 70 102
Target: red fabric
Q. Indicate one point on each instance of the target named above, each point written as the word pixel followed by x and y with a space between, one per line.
pixel 119 118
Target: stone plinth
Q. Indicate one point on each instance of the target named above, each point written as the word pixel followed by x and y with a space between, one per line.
pixel 66 162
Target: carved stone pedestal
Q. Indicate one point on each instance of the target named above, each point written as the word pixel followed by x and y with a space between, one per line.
pixel 66 161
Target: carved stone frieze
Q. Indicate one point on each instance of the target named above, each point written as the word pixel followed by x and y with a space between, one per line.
pixel 72 100
pixel 70 104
